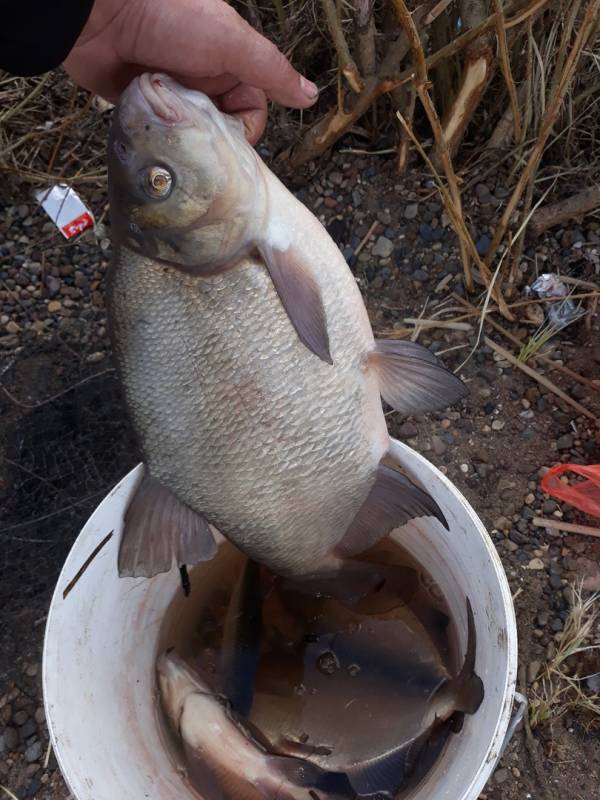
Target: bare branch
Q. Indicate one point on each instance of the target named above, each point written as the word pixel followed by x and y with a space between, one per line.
pixel 506 68
pixel 346 63
pixel 365 37
pixel 558 213
pixel 587 26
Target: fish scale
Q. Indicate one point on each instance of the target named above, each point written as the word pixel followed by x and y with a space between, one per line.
pixel 282 469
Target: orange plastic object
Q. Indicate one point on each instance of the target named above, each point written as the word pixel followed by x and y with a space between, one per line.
pixel 584 495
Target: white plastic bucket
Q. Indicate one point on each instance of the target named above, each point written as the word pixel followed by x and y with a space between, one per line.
pixel 102 641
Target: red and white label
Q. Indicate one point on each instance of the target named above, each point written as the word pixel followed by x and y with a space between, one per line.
pixel 66 209
pixel 77 226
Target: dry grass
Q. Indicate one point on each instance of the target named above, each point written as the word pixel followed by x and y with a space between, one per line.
pixel 561 685
pixel 50 131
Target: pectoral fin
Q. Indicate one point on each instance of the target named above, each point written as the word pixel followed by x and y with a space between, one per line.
pixel 159 531
pixel 411 379
pixel 392 502
pixel 300 296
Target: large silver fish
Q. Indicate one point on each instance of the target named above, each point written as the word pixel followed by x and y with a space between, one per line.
pixel 248 362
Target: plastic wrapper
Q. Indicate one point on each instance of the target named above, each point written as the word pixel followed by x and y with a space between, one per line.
pixel 561 314
pixel 584 495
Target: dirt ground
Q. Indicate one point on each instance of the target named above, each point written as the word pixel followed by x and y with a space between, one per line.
pixel 60 457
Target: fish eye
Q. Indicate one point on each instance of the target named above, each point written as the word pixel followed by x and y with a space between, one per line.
pixel 158 182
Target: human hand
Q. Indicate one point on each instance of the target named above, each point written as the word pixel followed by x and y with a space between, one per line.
pixel 204 44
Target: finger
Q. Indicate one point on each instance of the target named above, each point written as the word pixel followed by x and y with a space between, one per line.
pixel 258 62
pixel 213 40
pixel 250 105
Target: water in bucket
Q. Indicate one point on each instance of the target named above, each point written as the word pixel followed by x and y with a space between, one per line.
pixel 364 692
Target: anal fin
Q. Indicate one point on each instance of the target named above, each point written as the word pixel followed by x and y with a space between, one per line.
pixel 411 379
pixel 161 531
pixel 393 500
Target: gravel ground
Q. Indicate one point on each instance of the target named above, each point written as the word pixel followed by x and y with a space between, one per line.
pixel 494 446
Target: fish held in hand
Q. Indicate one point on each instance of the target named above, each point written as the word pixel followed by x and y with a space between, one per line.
pixel 225 759
pixel 248 362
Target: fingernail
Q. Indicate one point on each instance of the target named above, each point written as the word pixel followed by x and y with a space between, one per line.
pixel 309 88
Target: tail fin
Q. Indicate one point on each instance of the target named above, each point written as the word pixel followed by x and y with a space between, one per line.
pixel 469 686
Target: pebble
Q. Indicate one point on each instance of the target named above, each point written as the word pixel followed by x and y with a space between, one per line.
pixel 411 211
pixel 11 739
pixel 498 425
pixel 33 752
pixel 564 442
pixel 555 581
pixel 20 717
pixel 54 306
pixel 533 669
pixel 536 563
pixel 483 244
pixel 421 276
pixel 53 285
pixel 543 618
pixel 12 327
pixel 408 430
pixel 383 247
pixel 439 447
pixel 501 775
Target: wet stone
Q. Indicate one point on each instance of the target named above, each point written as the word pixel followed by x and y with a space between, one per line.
pixel 11 738
pixel 564 442
pixel 408 430
pixel 383 248
pixel 555 581
pixel 549 506
pixel 501 775
pixel 28 729
pixel 439 447
pixel 33 752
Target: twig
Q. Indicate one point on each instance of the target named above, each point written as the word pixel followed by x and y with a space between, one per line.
pixel 25 101
pixel 537 376
pixel 56 396
pixel 463 41
pixel 438 323
pixel 71 585
pixel 546 126
pixel 47 757
pixel 346 63
pixel 558 213
pixel 8 793
pixel 478 69
pixel 568 527
pixel 326 131
pixel 531 744
pixel 365 37
pixel 506 69
pixel 50 514
pixel 539 356
pixel 438 9
pixel 366 237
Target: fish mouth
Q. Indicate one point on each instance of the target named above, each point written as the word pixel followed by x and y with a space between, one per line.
pixel 156 94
